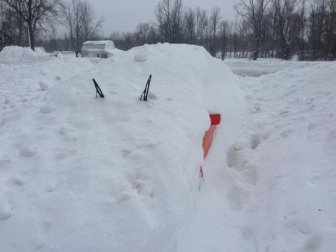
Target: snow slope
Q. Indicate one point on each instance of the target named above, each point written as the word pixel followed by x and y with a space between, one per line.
pixel 116 174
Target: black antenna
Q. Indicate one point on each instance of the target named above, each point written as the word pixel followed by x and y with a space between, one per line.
pixel 98 90
pixel 144 94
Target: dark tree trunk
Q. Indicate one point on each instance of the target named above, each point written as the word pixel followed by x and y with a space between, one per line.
pixel 31 36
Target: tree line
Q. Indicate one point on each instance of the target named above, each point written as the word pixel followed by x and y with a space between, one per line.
pixel 29 22
pixel 263 28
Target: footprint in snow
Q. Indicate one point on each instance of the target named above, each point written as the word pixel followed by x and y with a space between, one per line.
pixel 312 244
pixel 257 139
pixel 236 157
pixel 250 174
pixel 237 198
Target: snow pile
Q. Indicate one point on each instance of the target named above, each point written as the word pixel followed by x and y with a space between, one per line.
pixel 22 81
pixel 119 174
pixel 112 174
pixel 14 54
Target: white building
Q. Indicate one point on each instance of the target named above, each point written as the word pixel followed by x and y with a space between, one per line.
pixel 98 49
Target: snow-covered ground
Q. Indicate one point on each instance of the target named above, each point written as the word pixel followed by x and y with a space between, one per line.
pixel 79 173
pixel 273 189
pixel 247 67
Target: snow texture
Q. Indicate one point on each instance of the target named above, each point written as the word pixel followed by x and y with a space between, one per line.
pixel 80 173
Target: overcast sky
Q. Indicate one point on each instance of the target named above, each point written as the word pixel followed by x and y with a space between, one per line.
pixel 124 15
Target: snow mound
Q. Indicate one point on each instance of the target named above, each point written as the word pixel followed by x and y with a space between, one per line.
pixel 16 54
pixel 109 171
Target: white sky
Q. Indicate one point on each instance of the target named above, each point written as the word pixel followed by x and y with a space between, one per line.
pixel 124 15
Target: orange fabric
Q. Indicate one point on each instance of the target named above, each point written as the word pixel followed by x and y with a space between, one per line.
pixel 208 136
pixel 207 139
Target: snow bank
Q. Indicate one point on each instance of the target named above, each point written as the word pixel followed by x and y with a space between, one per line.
pixel 24 77
pixel 13 54
pixel 113 174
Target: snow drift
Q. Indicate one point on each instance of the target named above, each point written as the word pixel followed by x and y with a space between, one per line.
pixel 116 174
pixel 15 54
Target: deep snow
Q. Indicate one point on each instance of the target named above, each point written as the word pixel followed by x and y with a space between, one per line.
pixel 273 188
pixel 79 173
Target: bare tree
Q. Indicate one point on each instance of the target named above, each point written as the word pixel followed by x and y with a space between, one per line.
pixel 7 30
pixel 145 33
pixel 329 34
pixel 14 22
pixel 224 37
pixel 202 23
pixel 316 20
pixel 301 24
pixel 283 11
pixel 214 24
pixel 254 11
pixel 177 22
pixel 163 16
pixel 90 26
pixel 189 20
pixel 169 17
pixel 32 12
pixel 80 22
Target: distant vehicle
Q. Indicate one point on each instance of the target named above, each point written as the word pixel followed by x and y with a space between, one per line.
pixel 98 49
